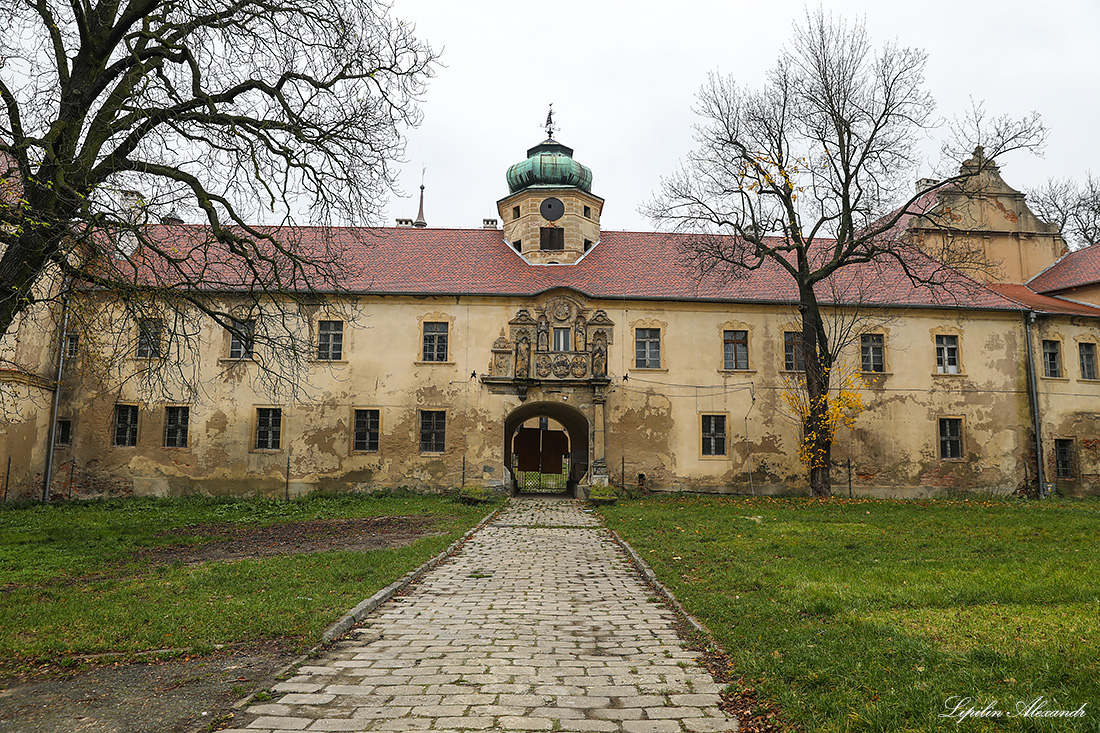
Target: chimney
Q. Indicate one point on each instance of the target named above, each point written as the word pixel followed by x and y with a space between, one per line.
pixel 923 184
pixel 404 222
pixel 172 217
pixel 488 223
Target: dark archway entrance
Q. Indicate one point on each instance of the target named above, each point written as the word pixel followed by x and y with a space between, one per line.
pixel 548 455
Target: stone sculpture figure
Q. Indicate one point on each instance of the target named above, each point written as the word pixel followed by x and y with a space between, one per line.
pixel 599 358
pixel 543 343
pixel 523 359
pixel 580 334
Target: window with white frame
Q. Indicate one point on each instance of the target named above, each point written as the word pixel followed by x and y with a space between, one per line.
pixel 435 341
pixel 947 354
pixel 242 339
pixel 872 352
pixel 647 348
pixel 1086 352
pixel 1052 358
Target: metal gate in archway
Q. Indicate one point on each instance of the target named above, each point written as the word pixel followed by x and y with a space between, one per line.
pixel 540 460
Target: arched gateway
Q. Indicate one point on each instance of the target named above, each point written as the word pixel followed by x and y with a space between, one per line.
pixel 543 451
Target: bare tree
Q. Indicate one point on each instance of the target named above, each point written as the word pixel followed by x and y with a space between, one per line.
pixel 812 174
pixel 1074 207
pixel 234 113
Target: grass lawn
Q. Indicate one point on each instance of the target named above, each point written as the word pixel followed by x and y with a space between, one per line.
pixel 74 582
pixel 863 615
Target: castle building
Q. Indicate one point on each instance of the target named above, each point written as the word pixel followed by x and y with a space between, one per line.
pixel 543 346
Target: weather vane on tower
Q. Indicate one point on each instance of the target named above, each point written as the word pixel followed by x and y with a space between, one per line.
pixel 550 123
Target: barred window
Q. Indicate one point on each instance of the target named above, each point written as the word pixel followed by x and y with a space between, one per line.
pixel 366 430
pixel 269 428
pixel 551 238
pixel 735 349
pixel 126 424
pixel 647 348
pixel 1063 458
pixel 871 352
pixel 950 437
pixel 72 345
pixel 714 435
pixel 63 434
pixel 433 431
pixel 175 426
pixel 330 340
pixel 435 341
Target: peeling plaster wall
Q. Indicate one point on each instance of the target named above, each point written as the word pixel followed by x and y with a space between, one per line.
pixel 652 417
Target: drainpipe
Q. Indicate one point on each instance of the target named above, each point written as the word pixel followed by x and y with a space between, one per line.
pixel 1028 320
pixel 56 396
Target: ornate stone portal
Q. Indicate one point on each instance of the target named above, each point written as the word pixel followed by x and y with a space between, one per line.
pixel 558 344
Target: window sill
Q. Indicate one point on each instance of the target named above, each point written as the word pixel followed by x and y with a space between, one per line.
pixel 1053 379
pixel 364 452
pixel 329 361
pixel 953 460
pixel 948 374
pixel 240 360
pixel 736 371
pixel 647 369
pixel 876 374
pixel 434 363
pixel 433 454
pixel 714 458
pixel 1089 381
pixel 270 451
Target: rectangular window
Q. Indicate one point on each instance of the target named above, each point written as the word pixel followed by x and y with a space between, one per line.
pixel 792 352
pixel 1063 458
pixel 647 348
pixel 269 428
pixel 433 431
pixel 561 339
pixel 366 430
pixel 714 435
pixel 515 212
pixel 241 339
pixel 735 349
pixel 72 345
pixel 587 212
pixel 175 426
pixel 63 435
pixel 947 354
pixel 435 341
pixel 148 343
pixel 330 340
pixel 950 437
pixel 1052 358
pixel 551 238
pixel 871 352
pixel 1087 353
pixel 126 424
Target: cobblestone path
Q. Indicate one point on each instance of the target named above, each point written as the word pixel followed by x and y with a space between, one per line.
pixel 538 623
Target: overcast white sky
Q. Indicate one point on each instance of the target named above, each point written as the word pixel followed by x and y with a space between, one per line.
pixel 623 78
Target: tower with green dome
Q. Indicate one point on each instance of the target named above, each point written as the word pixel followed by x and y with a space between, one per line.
pixel 550 214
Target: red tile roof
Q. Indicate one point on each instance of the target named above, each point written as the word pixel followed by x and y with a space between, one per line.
pixel 1081 267
pixel 1027 297
pixel 623 265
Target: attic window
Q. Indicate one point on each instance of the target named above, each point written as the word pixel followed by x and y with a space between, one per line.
pixel 551 238
pixel 515 212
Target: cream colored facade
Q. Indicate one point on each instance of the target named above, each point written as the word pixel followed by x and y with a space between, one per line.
pixel 641 385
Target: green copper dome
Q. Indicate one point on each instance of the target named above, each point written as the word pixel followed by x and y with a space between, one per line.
pixel 549 164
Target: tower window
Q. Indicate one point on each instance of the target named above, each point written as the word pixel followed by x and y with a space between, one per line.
pixel 515 212
pixel 518 245
pixel 587 212
pixel 587 244
pixel 551 238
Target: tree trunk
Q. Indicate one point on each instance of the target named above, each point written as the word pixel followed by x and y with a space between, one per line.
pixel 819 439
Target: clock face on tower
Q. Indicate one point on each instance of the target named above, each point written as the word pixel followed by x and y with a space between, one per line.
pixel 551 209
